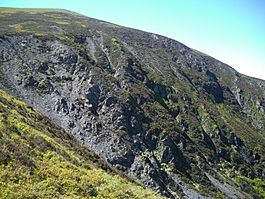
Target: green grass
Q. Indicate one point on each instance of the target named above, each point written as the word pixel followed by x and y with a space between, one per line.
pixel 40 160
pixel 254 186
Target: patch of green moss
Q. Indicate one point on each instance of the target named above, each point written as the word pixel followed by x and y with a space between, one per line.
pixel 206 121
pixel 255 187
pixel 62 22
pixel 114 41
pixel 258 114
pixel 164 102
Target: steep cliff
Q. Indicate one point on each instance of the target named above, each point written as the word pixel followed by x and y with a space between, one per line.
pixel 167 116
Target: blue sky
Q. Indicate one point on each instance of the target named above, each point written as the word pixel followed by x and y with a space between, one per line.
pixel 232 31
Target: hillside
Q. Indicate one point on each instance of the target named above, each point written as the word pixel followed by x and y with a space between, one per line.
pixel 168 117
pixel 40 160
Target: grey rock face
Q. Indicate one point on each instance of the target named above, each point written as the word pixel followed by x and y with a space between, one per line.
pixel 148 105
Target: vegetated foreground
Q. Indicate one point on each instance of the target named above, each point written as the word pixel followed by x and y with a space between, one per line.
pixel 168 117
pixel 40 160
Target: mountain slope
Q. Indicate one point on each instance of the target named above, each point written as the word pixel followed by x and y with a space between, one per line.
pixel 168 117
pixel 40 160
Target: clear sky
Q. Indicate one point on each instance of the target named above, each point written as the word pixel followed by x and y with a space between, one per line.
pixel 232 31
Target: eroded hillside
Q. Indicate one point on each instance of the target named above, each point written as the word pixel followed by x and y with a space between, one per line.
pixel 168 117
pixel 40 160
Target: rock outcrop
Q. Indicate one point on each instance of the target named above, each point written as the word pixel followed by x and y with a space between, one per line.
pixel 168 117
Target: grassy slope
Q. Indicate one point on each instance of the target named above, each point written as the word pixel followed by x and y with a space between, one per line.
pixel 40 160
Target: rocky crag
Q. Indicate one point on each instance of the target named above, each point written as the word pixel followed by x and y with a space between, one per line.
pixel 167 116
